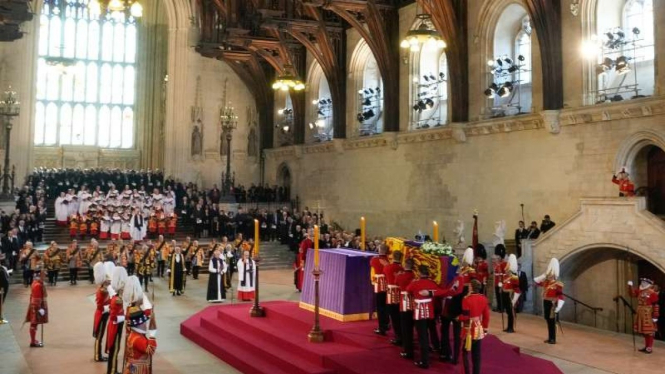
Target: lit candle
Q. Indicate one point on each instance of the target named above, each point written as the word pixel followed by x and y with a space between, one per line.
pixel 435 237
pixel 362 233
pixel 257 239
pixel 316 247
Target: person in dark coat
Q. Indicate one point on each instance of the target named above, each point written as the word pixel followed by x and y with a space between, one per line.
pixel 217 271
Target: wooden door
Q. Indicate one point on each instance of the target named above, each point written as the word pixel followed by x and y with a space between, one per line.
pixel 656 176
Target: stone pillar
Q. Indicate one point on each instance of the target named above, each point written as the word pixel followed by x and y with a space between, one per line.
pixel 530 304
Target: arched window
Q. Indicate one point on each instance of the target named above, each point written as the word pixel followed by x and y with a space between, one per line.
pixel 367 81
pixel 622 52
pixel 429 90
pixel 85 97
pixel 284 118
pixel 509 69
pixel 320 124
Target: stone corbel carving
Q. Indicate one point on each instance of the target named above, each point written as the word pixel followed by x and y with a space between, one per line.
pixel 551 120
pixel 391 139
pixel 297 149
pixel 458 132
pixel 338 145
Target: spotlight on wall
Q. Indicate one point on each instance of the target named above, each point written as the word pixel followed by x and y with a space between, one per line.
pixel 506 89
pixel 622 66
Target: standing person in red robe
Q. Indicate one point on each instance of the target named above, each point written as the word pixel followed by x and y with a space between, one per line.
pixel 306 244
pixel 392 296
pixel 500 267
pixel 116 319
pixel 423 312
pixel 37 309
pixel 378 279
pixel 475 320
pixel 648 311
pixel 403 280
pixel 299 269
pixel 102 300
pixel 141 342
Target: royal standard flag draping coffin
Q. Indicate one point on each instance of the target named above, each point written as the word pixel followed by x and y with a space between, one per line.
pixel 441 262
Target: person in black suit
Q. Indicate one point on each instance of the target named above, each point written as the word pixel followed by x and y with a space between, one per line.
pixel 533 233
pixel 547 224
pixel 520 233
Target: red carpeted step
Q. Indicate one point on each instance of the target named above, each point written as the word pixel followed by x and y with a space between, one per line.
pixel 287 359
pixel 227 350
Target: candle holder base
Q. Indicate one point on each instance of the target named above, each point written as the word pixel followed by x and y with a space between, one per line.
pixel 257 311
pixel 315 336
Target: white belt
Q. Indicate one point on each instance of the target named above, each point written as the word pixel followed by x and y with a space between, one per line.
pixel 422 301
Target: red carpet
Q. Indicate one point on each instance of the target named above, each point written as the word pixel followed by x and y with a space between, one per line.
pixel 278 344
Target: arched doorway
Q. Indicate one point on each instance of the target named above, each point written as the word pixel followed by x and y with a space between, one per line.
pixel 284 182
pixel 649 177
pixel 596 276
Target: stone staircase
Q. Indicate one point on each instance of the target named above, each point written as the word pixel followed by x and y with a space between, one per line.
pixel 274 256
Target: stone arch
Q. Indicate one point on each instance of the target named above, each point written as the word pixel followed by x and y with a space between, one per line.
pixel 285 178
pixel 361 56
pixel 637 252
pixel 488 18
pixel 631 146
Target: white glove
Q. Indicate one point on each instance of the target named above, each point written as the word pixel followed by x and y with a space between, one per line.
pixel 106 308
pixel 539 279
pixel 42 312
pixel 14 253
pixel 516 297
pixel 110 290
pixel 168 271
pixel 500 284
pixel 559 305
pixel 630 283
pixel 152 333
pixel 212 270
pixel 120 319
pixel 10 271
pixel 655 320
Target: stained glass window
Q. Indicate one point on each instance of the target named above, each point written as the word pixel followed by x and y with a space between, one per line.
pixel 86 77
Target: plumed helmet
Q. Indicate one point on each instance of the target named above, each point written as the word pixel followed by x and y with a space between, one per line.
pixel 512 263
pixel 99 272
pixel 553 268
pixel 119 278
pixel 500 250
pixel 133 290
pixel 467 259
pixel 108 270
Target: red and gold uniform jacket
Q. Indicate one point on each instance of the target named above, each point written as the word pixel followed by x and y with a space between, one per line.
pixel 500 269
pixel 455 290
pixel 647 310
pixel 138 351
pixel 391 271
pixel 37 302
pixel 511 283
pixel 115 311
pixel 78 256
pixel 482 271
pixel 378 279
pixel 172 223
pixel 101 300
pixel 552 290
pixel 475 318
pixel 625 186
pixel 424 305
pixel 406 300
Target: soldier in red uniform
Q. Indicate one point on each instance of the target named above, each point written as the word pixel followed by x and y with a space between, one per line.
pixel 453 296
pixel 403 280
pixel 481 267
pixel 423 312
pixel 475 320
pixel 510 291
pixel 392 296
pixel 552 297
pixel 116 318
pixel 38 309
pixel 378 279
pixel 102 299
pixel 500 266
pixel 626 187
pixel 648 311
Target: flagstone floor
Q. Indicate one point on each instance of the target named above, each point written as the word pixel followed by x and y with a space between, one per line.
pixel 69 342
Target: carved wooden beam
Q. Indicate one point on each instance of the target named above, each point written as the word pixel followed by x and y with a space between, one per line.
pixel 378 24
pixel 546 20
pixel 449 18
pixel 326 44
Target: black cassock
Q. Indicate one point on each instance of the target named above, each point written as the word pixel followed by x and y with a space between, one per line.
pixel 216 289
pixel 177 267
